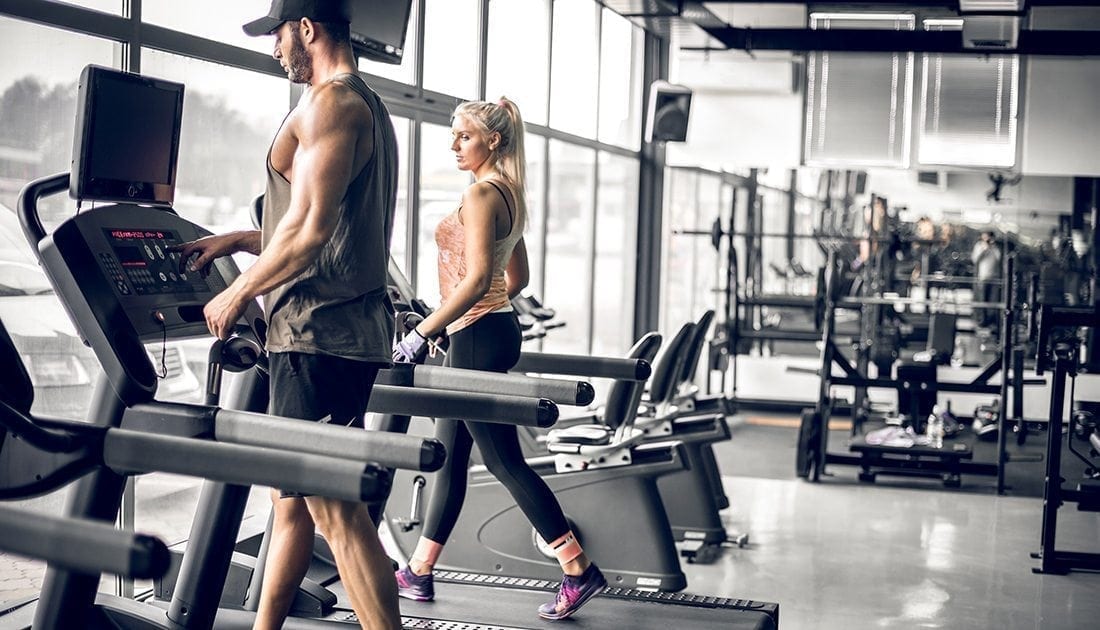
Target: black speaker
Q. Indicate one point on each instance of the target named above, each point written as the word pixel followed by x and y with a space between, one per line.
pixel 667 118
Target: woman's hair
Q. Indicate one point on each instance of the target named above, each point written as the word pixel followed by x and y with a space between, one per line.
pixel 509 158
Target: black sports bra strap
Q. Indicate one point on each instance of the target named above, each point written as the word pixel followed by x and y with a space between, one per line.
pixel 511 217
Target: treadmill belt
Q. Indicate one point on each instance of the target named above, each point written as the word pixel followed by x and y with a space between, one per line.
pixel 417 623
pixel 485 602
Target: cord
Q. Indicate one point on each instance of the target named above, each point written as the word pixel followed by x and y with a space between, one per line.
pixel 163 372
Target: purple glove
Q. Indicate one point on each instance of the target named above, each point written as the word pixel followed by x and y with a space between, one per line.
pixel 409 348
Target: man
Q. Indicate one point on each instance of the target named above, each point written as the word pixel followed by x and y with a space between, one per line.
pixel 323 249
pixel 987 269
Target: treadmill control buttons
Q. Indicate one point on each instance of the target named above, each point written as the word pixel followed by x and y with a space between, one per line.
pixel 114 272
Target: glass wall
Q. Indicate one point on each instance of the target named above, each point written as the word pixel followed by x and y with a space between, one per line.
pixel 615 244
pixel 575 80
pixel 197 20
pixel 518 55
pixel 450 47
pixel 568 255
pixel 441 186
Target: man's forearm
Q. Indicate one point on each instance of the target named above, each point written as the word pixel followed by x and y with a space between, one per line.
pixel 281 261
pixel 250 241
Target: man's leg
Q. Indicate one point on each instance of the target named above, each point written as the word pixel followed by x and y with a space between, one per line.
pixel 365 570
pixel 288 559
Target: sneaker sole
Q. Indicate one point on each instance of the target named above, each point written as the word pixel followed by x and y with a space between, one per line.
pixel 415 598
pixel 577 606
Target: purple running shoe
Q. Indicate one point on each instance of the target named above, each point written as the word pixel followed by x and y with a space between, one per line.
pixel 574 592
pixel 419 588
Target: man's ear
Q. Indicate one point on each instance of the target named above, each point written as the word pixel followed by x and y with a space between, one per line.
pixel 307 29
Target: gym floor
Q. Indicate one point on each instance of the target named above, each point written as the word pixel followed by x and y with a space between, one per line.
pixel 899 553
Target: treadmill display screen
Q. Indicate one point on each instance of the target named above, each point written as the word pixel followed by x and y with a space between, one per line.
pixel 142 263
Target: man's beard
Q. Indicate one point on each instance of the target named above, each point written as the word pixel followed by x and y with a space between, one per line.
pixel 299 61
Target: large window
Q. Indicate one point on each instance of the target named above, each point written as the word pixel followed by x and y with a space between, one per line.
pixel 536 212
pixel 450 47
pixel 441 186
pixel 613 280
pixel 399 242
pixel 518 53
pixel 621 45
pixel 680 265
pixel 198 19
pixel 858 104
pixel 38 90
pixel 569 243
pixel 107 6
pixel 229 119
pixel 574 86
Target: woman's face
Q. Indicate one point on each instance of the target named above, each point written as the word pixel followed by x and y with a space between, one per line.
pixel 470 146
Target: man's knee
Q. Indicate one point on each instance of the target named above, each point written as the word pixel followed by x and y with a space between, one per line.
pixel 337 519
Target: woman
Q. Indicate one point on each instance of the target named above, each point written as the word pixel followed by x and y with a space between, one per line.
pixel 482 265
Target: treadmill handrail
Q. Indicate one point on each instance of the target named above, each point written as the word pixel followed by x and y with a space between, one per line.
pixel 577 365
pixel 130 452
pixel 561 391
pixel 433 403
pixel 386 449
pixel 27 206
pixel 39 437
pixel 84 546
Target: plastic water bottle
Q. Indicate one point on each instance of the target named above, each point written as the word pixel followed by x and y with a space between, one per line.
pixel 934 428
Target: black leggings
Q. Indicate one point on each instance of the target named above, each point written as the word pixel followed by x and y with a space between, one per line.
pixel 491 343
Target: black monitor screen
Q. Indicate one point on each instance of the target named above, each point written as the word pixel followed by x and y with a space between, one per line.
pixel 378 28
pixel 127 137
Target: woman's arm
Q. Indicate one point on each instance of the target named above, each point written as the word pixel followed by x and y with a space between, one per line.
pixel 479 209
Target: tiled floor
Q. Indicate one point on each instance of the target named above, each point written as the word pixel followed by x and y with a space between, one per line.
pixel 843 555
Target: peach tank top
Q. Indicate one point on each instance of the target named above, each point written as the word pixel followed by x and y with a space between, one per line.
pixel 450 238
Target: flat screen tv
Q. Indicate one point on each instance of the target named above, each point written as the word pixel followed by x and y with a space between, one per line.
pixel 127 138
pixel 378 29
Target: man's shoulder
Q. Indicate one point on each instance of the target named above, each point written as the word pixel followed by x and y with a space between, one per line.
pixel 337 97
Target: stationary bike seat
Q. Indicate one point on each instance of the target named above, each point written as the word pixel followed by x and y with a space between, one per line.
pixel 585 434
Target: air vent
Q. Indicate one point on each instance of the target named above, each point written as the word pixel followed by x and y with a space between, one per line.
pixel 985 32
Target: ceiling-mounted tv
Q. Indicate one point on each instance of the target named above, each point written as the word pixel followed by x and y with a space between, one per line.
pixel 127 137
pixel 378 28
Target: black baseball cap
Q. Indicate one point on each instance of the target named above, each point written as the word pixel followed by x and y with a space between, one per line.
pixel 293 10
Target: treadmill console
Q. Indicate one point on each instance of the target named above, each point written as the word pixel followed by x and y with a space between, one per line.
pixel 123 287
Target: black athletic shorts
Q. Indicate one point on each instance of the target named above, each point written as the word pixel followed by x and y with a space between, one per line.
pixel 320 388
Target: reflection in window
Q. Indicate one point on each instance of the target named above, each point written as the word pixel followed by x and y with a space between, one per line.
pixel 441 186
pixel 405 73
pixel 569 244
pixel 450 47
pixel 229 119
pixel 616 228
pixel 621 45
pixel 399 239
pixel 196 19
pixel 518 55
pixel 574 80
